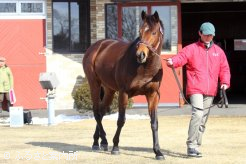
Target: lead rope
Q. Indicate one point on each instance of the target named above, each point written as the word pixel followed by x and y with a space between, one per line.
pixel 222 101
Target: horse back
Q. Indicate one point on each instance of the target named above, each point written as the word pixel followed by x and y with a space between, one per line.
pixel 100 61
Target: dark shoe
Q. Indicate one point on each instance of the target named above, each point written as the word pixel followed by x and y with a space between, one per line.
pixel 192 152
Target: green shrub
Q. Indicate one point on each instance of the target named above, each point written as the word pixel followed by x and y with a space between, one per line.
pixel 82 99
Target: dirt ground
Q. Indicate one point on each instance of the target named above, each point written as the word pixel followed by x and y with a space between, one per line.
pixel 224 142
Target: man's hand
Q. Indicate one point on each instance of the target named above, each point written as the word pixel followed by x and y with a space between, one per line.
pixel 224 86
pixel 169 62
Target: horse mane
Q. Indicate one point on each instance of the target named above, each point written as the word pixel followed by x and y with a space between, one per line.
pixel 151 21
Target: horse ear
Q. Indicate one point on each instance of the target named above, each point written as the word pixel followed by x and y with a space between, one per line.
pixel 156 16
pixel 143 15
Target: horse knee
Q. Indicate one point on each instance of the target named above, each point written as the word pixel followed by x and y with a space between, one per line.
pixel 154 125
pixel 97 117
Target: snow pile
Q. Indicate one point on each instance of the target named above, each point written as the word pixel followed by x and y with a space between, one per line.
pixel 63 118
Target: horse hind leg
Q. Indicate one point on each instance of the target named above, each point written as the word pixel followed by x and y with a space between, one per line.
pixel 95 145
pixel 95 88
pixel 107 99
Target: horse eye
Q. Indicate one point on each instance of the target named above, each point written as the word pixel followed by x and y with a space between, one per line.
pixel 153 33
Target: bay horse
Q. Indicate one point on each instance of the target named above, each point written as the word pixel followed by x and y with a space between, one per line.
pixel 131 69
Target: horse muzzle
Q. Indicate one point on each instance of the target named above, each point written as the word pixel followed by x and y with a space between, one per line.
pixel 141 57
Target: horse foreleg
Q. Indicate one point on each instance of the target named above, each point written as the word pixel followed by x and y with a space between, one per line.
pixel 152 103
pixel 154 127
pixel 123 100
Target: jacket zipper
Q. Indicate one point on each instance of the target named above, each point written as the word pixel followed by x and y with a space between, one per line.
pixel 207 72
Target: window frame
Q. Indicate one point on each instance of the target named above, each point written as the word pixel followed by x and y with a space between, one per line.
pixel 178 39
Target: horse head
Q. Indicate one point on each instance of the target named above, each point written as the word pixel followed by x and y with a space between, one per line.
pixel 150 37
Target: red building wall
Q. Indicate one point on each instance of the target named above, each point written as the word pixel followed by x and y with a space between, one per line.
pixel 21 43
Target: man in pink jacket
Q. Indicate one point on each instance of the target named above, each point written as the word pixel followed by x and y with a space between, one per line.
pixel 206 65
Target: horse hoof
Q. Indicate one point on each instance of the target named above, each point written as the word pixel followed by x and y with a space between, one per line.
pixel 104 147
pixel 159 157
pixel 95 148
pixel 115 151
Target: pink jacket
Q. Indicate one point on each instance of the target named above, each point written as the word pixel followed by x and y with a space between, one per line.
pixel 204 67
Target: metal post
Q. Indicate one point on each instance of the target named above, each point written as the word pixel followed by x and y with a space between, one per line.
pixel 51 109
pixel 49 81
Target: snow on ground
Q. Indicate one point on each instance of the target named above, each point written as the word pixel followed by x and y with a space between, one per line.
pixel 63 118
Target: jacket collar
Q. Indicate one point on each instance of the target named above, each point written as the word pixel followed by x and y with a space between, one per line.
pixel 200 43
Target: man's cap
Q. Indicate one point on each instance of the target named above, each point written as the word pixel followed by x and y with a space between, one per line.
pixel 207 28
pixel 2 59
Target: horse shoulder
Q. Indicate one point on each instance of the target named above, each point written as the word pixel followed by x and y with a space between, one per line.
pixel 136 80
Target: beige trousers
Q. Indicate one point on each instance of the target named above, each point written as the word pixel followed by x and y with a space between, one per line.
pixel 198 119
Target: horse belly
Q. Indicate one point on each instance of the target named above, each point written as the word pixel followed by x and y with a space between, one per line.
pixel 107 78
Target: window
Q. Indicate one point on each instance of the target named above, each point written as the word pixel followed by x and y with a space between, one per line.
pixel 22 9
pixel 71 24
pixel 168 15
pixel 7 7
pixel 31 7
pixel 131 21
pixel 111 21
pixel 239 44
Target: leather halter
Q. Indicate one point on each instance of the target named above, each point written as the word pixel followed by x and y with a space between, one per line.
pixel 150 47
